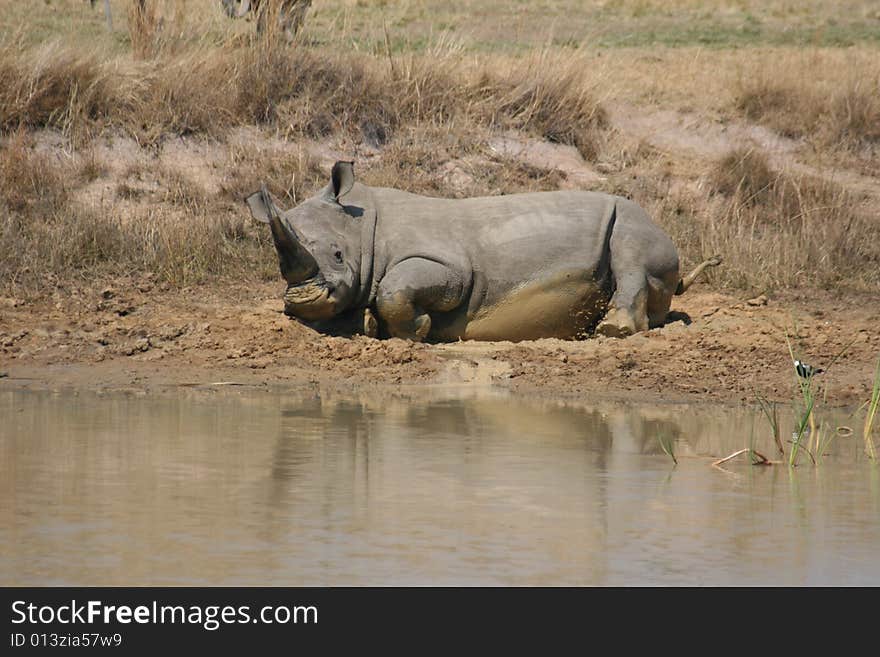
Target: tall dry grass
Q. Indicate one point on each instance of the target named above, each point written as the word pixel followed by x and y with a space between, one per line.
pixel 300 91
pixel 776 229
pixel 56 87
pixel 88 244
pixel 840 110
pixel 31 185
pixel 144 28
pixel 183 236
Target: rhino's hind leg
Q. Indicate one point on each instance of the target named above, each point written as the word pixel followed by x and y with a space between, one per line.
pixel 660 293
pixel 628 309
pixel 411 290
pixel 371 326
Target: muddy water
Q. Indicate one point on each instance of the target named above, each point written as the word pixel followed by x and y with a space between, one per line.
pixel 245 486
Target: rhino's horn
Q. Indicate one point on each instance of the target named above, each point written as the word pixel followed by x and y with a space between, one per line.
pixel 296 263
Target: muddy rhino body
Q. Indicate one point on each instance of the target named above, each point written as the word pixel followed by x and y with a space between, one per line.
pixel 516 267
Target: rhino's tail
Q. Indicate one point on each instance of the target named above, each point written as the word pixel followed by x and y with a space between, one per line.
pixel 688 280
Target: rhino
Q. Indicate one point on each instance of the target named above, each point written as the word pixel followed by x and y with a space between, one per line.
pixel 559 264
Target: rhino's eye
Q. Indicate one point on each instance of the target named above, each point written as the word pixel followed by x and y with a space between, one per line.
pixel 338 256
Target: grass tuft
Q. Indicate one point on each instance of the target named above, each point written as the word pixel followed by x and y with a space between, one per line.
pixel 779 229
pixel 667 444
pixel 845 114
pixel 771 412
pixel 206 89
pixel 31 185
pixel 53 86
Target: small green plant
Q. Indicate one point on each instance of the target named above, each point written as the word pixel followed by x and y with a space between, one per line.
pixel 667 444
pixel 824 438
pixel 798 435
pixel 771 412
pixel 805 385
pixel 809 395
pixel 871 413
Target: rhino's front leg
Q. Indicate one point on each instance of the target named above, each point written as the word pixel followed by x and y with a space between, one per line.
pixel 413 288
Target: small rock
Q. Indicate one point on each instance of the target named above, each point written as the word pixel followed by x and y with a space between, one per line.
pixel 3 375
pixel 760 300
pixel 108 293
pixel 169 332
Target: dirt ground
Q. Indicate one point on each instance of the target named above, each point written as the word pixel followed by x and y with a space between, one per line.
pixel 136 335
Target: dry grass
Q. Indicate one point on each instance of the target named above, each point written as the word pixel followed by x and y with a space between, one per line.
pixel 548 97
pixel 442 162
pixel 54 86
pixel 775 229
pixel 181 191
pixel 90 167
pixel 302 92
pixel 182 238
pixel 144 28
pixel 289 177
pixel 86 243
pixel 31 186
pixel 745 173
pixel 841 112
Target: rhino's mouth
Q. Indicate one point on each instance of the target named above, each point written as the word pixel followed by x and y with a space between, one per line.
pixel 305 294
pixel 310 299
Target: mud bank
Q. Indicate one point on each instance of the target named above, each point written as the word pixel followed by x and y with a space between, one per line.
pixel 137 335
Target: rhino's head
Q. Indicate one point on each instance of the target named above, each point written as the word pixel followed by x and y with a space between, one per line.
pixel 319 247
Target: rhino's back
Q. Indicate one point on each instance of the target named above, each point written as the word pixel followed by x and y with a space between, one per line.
pixel 518 235
pixel 487 209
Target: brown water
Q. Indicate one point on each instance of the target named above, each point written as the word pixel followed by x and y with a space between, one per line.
pixel 243 486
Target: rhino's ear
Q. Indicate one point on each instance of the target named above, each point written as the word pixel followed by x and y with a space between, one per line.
pixel 341 179
pixel 261 205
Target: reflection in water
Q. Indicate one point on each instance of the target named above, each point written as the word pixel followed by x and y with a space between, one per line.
pixel 301 488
